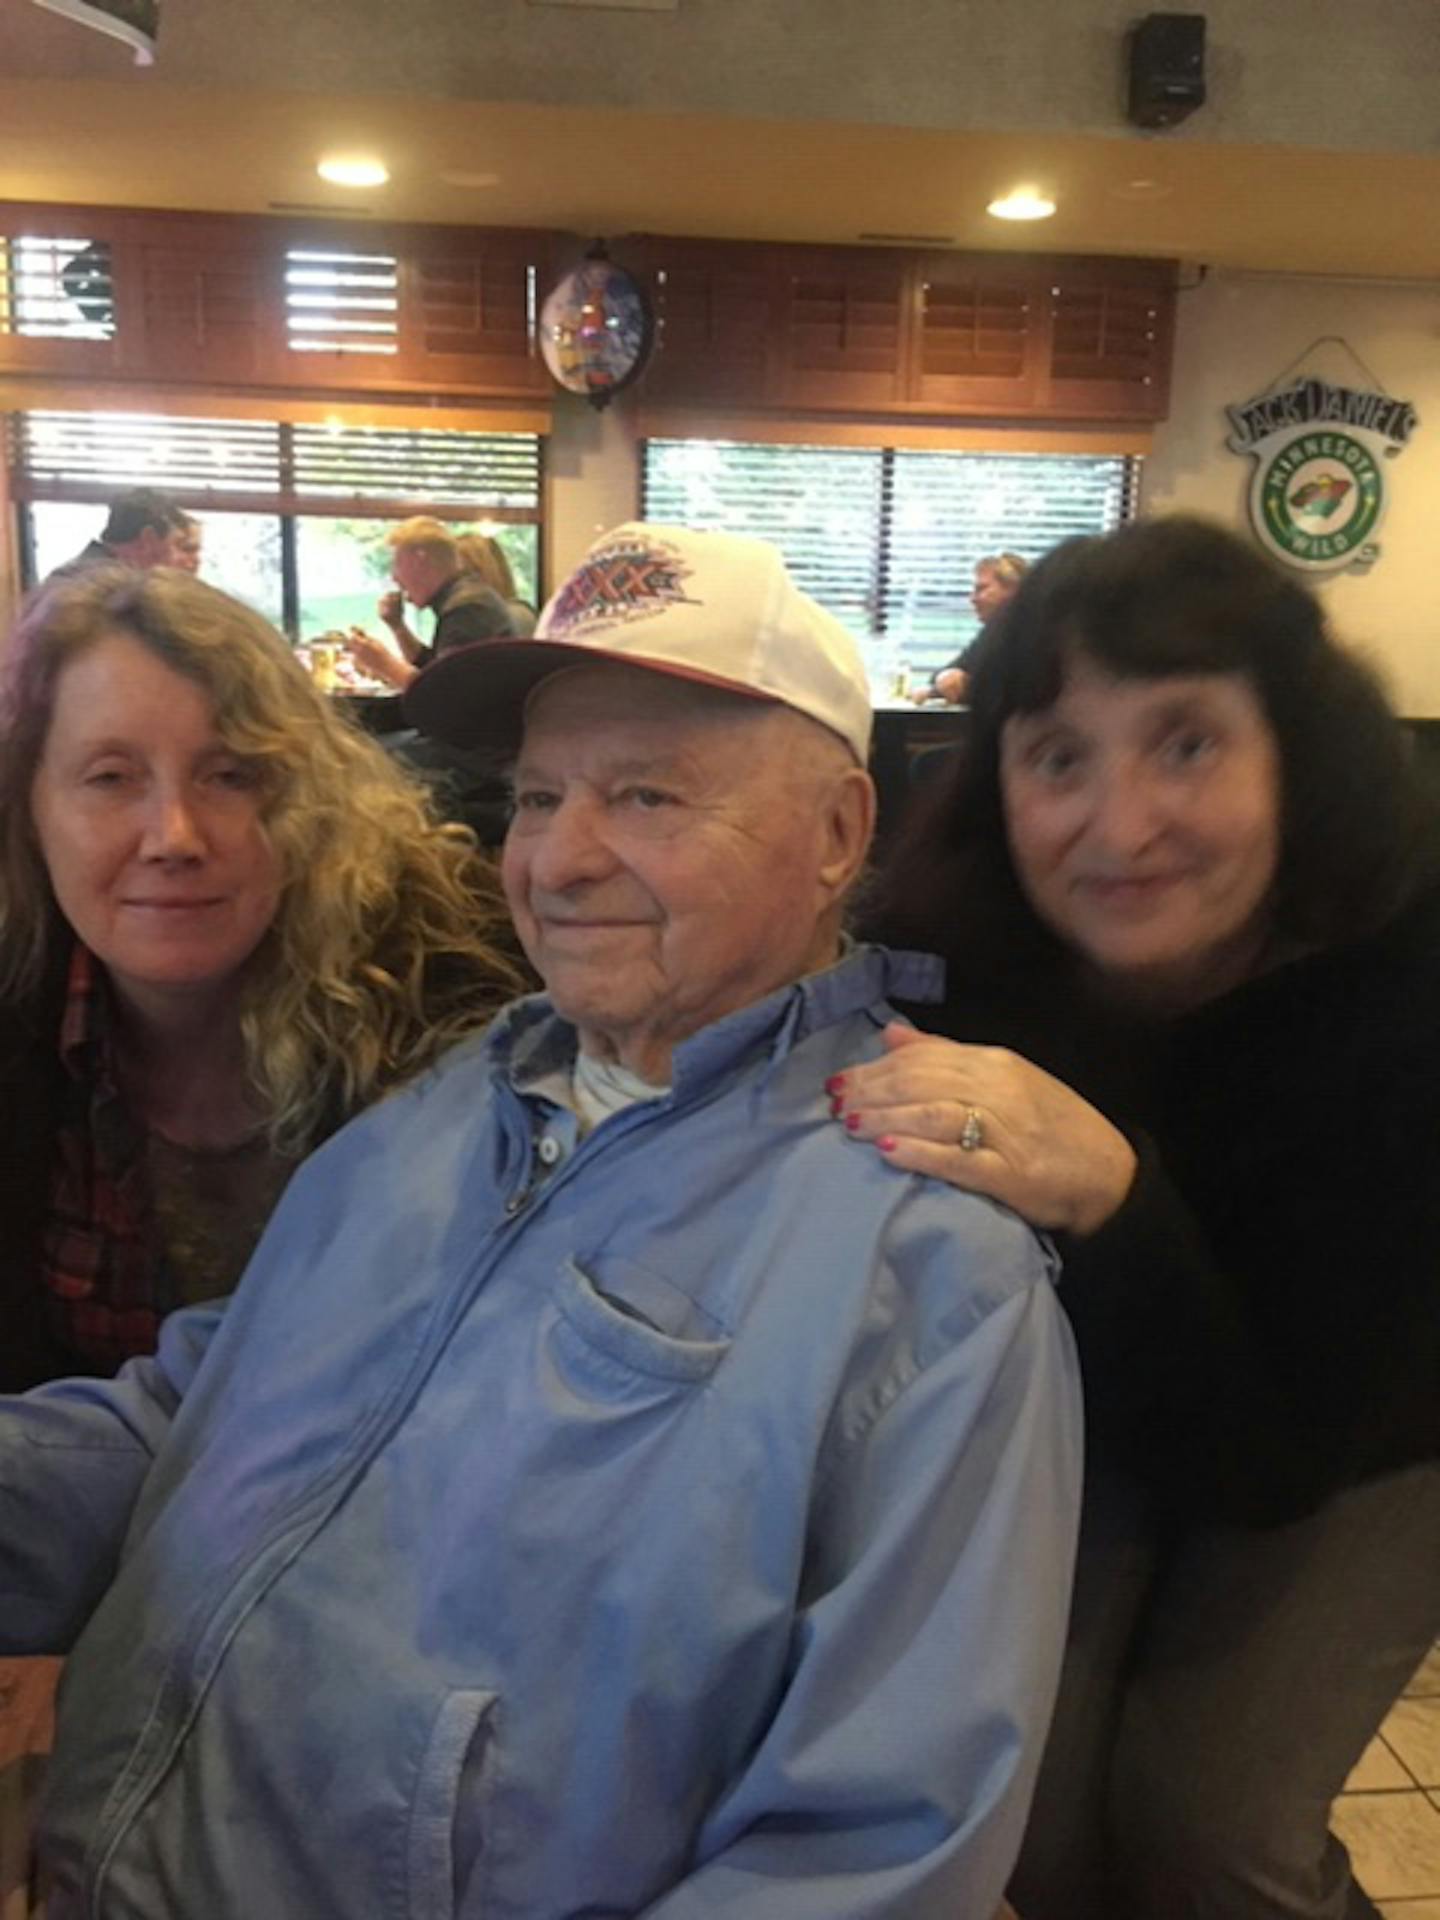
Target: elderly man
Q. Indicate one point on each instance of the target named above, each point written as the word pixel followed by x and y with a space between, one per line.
pixel 142 529
pixel 610 1492
pixel 429 572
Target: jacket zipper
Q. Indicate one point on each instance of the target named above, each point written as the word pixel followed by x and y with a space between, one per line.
pixel 328 1494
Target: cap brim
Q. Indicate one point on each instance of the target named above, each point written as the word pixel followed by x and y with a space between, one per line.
pixel 474 696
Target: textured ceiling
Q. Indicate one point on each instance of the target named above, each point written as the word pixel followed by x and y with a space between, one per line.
pixel 821 139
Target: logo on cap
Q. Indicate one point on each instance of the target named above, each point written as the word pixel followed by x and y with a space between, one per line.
pixel 622 584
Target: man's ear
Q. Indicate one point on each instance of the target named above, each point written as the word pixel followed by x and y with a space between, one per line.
pixel 848 822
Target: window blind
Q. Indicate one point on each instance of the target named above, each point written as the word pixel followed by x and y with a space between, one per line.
pixel 950 510
pixel 887 539
pixel 316 468
pixel 495 469
pixel 820 505
pixel 59 454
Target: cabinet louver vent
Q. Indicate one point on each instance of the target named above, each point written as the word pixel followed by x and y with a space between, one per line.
pixel 1104 333
pixel 974 331
pixel 341 302
pixel 476 305
pixel 844 326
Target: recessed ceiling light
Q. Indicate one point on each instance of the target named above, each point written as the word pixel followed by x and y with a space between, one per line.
pixel 458 177
pixel 353 170
pixel 1025 203
pixel 1141 190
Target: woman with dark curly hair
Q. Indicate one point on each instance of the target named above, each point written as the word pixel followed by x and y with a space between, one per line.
pixel 1186 879
pixel 227 922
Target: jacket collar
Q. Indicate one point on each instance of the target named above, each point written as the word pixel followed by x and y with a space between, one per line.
pixel 530 1040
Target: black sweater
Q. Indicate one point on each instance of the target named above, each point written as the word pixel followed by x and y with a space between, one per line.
pixel 32 1086
pixel 1259 1324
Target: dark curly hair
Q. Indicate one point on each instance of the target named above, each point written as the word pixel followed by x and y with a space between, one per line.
pixel 1158 598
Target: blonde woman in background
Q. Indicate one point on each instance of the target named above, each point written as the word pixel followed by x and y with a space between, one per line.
pixel 486 558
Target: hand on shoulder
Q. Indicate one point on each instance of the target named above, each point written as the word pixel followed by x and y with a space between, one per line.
pixel 988 1121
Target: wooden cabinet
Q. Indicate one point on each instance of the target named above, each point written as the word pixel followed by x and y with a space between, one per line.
pixel 872 330
pixel 247 301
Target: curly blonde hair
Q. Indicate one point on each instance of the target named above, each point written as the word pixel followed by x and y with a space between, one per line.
pixel 390 942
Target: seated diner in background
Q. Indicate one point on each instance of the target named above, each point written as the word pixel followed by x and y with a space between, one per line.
pixel 143 528
pixel 187 548
pixel 997 576
pixel 227 922
pixel 429 572
pixel 1185 875
pixel 609 1489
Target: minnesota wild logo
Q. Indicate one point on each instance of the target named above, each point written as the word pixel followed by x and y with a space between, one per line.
pixel 1317 494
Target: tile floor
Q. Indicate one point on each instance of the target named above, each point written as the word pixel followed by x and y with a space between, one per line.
pixel 1389 1813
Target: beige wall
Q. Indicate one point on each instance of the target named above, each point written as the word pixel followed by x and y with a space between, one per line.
pixel 592 465
pixel 1237 333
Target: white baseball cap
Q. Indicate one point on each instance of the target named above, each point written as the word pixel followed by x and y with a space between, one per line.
pixel 718 608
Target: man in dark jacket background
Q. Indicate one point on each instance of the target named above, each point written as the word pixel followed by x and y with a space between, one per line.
pixel 144 529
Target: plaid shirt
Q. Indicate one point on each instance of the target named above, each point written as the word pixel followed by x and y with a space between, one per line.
pixel 101 1263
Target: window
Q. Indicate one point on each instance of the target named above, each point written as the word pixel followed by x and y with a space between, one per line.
pixel 293 517
pixel 820 505
pixel 57 289
pixel 887 538
pixel 241 552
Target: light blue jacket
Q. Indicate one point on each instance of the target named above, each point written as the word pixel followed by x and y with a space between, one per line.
pixel 677 1523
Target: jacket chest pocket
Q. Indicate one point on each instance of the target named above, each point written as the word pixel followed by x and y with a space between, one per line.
pixel 446 1840
pixel 619 1323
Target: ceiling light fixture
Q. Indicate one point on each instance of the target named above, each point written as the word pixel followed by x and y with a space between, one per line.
pixel 353 170
pixel 1141 190
pixel 1024 203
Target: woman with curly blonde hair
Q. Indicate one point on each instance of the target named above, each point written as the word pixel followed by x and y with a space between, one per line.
pixel 227 922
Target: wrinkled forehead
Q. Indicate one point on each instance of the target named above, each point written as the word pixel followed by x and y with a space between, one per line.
pixel 613 696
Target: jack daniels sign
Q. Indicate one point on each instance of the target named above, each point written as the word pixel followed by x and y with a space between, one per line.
pixel 1318 492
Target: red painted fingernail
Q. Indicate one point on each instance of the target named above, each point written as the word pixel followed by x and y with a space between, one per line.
pixel 835 1084
pixel 852 1121
pixel 887 1143
pixel 837 1106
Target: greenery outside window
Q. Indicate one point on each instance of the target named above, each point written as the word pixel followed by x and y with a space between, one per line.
pixel 294 517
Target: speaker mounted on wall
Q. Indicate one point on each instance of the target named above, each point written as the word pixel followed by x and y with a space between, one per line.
pixel 1167 68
